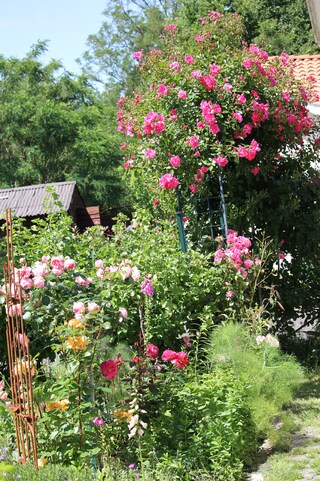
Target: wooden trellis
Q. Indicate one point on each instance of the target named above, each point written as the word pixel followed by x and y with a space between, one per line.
pixel 21 368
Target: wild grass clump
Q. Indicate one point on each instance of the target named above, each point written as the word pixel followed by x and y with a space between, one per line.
pixel 271 376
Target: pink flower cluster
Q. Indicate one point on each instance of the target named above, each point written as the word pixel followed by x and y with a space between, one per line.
pixel 79 309
pixel 35 276
pixel 147 288
pixel 125 270
pixel 153 123
pixel 250 153
pixel 208 110
pixel 4 394
pixel 237 254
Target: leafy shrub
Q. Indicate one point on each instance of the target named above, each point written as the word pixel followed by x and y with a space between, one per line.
pixel 271 376
pixel 203 425
pixel 49 472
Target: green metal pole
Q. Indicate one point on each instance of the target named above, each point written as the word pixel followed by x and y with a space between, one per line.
pixel 179 217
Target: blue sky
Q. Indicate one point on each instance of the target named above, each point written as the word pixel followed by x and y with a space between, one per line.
pixel 66 23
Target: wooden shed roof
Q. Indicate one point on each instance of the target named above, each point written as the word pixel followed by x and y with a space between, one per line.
pixel 31 199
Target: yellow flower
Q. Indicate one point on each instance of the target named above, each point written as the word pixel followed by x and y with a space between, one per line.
pixel 77 343
pixel 61 405
pixel 75 323
pixel 42 462
pixel 122 415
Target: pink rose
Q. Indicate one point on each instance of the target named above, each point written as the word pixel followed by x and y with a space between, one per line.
pixel 152 351
pixel 182 94
pixel 109 369
pixel 167 181
pixel 229 294
pixel 81 281
pixel 93 307
pixel 175 161
pixel 247 63
pixel 57 262
pixel 26 282
pixel 69 264
pixel 57 271
pixel 221 161
pixel 181 360
pixel 78 307
pixel 99 264
pixel 98 422
pixel 39 282
pixel 168 355
pixel 189 59
pixel 123 312
pixel 150 153
pixel 137 55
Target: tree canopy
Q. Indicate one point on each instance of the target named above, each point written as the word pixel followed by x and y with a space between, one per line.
pixel 54 126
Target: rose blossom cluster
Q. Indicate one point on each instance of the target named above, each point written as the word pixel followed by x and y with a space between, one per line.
pixel 237 254
pixel 125 270
pixel 35 275
pixel 217 105
pixel 79 309
pixel 4 394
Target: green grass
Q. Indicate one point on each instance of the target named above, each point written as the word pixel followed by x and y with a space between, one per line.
pixel 305 414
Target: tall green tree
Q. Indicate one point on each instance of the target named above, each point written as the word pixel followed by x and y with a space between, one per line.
pixel 276 25
pixel 127 27
pixel 53 127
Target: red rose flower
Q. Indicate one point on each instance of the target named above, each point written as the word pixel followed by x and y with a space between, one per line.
pixel 109 369
pixel 181 360
pixel 152 351
pixel 168 355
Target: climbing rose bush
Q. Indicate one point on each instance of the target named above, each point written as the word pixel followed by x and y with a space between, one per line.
pixel 211 103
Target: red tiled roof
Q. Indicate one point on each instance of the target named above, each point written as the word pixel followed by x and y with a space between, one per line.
pixel 306 66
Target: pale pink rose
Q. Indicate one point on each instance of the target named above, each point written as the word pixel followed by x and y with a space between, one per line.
pixel 81 281
pixel 123 312
pixel 99 264
pixel 45 259
pixel 135 274
pixel 39 282
pixel 57 262
pixel 93 307
pixel 57 271
pixel 100 274
pixel 69 264
pixel 40 269
pixel 4 396
pixel 78 307
pixel 229 294
pixel 26 282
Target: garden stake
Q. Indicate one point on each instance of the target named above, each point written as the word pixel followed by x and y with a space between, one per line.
pixel 179 216
pixel 21 368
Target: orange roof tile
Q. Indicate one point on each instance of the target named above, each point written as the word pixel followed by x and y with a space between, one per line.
pixel 305 67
